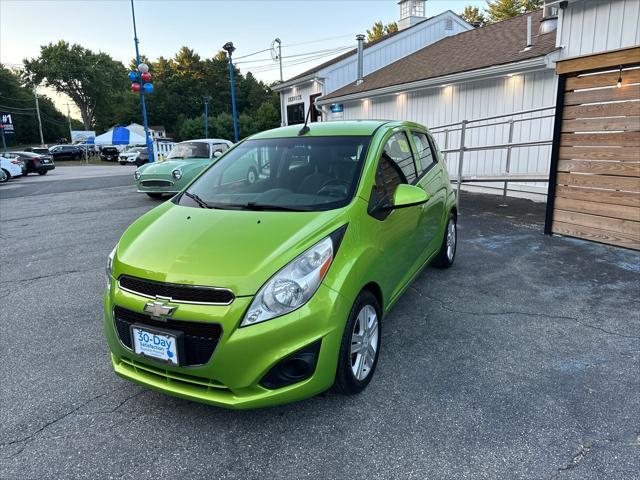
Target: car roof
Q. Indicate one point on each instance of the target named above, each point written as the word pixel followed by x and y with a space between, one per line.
pixel 327 129
pixel 209 140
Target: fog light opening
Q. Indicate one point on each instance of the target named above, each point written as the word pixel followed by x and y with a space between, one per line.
pixel 293 369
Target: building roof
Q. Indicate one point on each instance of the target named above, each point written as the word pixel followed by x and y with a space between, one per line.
pixel 496 44
pixel 354 51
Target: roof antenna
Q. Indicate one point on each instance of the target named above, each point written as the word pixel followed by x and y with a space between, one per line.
pixel 305 128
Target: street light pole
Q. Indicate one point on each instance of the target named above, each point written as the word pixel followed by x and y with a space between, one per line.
pixel 39 119
pixel 230 49
pixel 144 107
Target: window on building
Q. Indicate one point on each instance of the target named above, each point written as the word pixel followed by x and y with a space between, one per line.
pixel 418 9
pixel 425 157
pixel 448 25
pixel 404 9
pixel 295 114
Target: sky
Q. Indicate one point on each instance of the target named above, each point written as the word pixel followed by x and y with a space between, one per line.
pixel 304 26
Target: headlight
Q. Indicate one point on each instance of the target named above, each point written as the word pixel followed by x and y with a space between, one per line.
pixel 294 285
pixel 137 175
pixel 109 268
pixel 177 174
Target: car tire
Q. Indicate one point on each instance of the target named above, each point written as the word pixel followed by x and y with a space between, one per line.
pixel 447 253
pixel 356 368
pixel 155 195
pixel 42 172
pixel 252 176
pixel 77 157
pixel 6 176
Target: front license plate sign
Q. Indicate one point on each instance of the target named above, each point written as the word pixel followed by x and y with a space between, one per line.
pixel 158 345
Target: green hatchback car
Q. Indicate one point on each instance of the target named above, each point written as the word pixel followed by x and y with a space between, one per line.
pixel 250 294
pixel 185 161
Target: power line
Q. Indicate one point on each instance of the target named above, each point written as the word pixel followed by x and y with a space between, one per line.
pixel 317 41
pixel 292 63
pixel 17 108
pixel 254 53
pixel 297 55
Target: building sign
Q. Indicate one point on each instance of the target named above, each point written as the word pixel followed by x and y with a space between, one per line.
pixel 295 98
pixel 82 136
pixel 6 123
pixel 337 111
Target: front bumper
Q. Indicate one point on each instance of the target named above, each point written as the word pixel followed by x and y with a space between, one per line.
pixel 158 184
pixel 243 356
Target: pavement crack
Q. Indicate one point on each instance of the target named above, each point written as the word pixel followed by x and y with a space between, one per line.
pixel 29 438
pixel 575 461
pixel 48 275
pixel 448 308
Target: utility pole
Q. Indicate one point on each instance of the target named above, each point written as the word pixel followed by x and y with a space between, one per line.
pixel 279 42
pixel 206 117
pixel 70 129
pixel 39 119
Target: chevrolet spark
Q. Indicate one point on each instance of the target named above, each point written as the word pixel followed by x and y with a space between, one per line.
pixel 249 294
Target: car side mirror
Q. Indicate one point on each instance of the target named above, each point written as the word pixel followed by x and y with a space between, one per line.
pixel 409 196
pixel 217 154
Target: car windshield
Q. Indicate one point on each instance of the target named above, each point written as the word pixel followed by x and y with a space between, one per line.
pixel 41 151
pixel 306 174
pixel 189 150
pixel 136 149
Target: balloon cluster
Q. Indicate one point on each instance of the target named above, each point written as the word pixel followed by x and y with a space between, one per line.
pixel 142 76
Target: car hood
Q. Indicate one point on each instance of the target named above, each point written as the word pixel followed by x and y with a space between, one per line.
pixel 234 249
pixel 168 165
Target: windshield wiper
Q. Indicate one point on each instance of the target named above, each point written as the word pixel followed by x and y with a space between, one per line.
pixel 262 207
pixel 201 203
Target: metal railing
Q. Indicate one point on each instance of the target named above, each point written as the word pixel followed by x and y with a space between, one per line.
pixel 505 176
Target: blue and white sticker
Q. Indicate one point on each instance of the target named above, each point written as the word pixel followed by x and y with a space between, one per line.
pixel 155 345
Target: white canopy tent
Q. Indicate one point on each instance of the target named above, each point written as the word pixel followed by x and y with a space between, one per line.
pixel 120 136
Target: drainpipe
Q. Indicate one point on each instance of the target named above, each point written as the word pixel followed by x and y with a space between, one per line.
pixel 360 39
pixel 529 40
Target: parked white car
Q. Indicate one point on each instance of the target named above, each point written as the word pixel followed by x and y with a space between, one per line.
pixel 134 156
pixel 12 167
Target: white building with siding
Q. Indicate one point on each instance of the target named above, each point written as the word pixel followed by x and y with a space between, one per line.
pixel 479 73
pixel 415 32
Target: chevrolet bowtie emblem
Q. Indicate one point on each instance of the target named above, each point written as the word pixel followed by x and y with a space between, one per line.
pixel 158 309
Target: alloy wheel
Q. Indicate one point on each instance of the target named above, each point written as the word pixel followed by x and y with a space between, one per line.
pixel 364 342
pixel 451 240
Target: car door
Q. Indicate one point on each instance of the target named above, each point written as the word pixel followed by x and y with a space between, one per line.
pixel 393 229
pixel 428 235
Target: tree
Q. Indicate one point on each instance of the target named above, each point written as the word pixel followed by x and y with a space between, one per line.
pixel 89 79
pixel 19 100
pixel 379 30
pixel 498 10
pixel 473 16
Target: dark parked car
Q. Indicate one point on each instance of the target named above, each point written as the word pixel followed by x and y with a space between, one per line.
pixel 34 162
pixel 66 152
pixel 38 150
pixel 109 154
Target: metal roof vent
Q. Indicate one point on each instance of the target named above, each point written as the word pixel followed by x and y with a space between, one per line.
pixel 549 21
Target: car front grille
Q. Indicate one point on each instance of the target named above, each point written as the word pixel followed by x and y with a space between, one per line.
pixel 176 292
pixel 156 183
pixel 200 339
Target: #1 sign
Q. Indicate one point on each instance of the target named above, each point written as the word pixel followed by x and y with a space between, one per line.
pixel 6 122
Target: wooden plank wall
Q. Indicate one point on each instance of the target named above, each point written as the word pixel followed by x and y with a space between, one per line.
pixel 597 194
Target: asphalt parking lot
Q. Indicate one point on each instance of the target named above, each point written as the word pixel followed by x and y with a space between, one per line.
pixel 521 361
